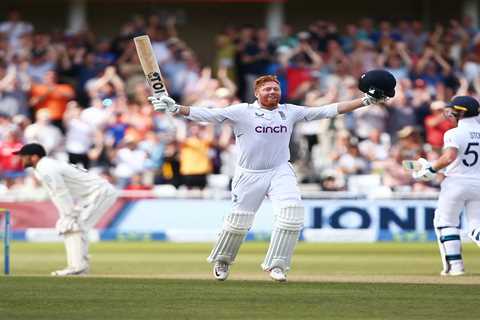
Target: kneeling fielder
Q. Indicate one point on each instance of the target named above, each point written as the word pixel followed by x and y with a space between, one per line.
pixel 460 188
pixel 81 199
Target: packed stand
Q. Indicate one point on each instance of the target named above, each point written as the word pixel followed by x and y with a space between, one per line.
pixel 84 97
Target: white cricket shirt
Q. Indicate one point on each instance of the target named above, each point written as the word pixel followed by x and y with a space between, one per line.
pixel 66 183
pixel 262 136
pixel 466 138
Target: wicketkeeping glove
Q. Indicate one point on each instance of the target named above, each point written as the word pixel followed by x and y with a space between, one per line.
pixel 426 172
pixel 164 103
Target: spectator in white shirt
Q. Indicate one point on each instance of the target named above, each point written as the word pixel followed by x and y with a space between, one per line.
pixel 43 132
pixel 79 135
pixel 129 161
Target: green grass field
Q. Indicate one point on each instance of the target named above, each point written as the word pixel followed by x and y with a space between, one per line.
pixel 148 280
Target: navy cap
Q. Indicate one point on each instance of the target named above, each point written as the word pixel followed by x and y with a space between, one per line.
pixel 467 104
pixel 31 149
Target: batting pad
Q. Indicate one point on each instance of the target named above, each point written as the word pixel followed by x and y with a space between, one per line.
pixel 75 247
pixel 285 234
pixel 450 246
pixel 235 228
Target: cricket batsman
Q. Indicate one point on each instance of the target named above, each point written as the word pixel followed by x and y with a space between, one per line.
pixel 263 130
pixel 80 197
pixel 459 190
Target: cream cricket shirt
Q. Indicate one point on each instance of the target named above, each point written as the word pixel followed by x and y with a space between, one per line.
pixel 66 183
pixel 466 138
pixel 262 136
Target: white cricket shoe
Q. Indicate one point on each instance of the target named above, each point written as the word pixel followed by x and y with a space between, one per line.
pixel 452 273
pixel 70 272
pixel 221 270
pixel 456 269
pixel 475 236
pixel 277 274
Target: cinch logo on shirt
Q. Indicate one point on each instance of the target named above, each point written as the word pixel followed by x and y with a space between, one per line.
pixel 275 129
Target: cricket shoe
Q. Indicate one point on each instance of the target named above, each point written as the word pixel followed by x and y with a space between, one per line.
pixel 452 273
pixel 277 274
pixel 221 270
pixel 475 236
pixel 456 269
pixel 70 272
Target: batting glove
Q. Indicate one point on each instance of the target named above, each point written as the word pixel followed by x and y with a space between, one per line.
pixel 426 172
pixel 164 103
pixel 368 100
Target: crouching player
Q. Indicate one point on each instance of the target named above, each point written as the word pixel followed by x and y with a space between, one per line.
pixel 459 190
pixel 80 197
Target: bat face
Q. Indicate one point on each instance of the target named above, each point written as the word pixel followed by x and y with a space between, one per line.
pixel 156 83
pixel 150 65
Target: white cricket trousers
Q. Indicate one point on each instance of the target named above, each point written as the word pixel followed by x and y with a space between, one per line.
pixel 249 188
pixel 456 194
pixel 96 204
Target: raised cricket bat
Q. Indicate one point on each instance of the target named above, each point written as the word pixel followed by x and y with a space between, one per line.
pixel 411 165
pixel 150 65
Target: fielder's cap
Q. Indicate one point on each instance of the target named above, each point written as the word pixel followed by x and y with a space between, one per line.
pixel 31 149
pixel 467 104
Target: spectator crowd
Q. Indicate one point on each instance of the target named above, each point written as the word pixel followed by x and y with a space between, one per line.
pixel 84 97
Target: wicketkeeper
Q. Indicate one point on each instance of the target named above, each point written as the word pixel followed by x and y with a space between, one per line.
pixel 80 197
pixel 262 130
pixel 460 188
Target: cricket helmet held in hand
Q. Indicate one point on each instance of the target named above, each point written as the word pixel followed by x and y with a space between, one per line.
pixel 468 105
pixel 377 83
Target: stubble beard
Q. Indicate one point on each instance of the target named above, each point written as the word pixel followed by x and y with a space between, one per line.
pixel 270 102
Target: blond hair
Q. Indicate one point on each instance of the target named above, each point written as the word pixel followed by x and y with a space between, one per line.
pixel 263 79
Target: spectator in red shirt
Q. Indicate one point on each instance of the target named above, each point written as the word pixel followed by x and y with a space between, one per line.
pixel 303 61
pixel 436 125
pixel 10 165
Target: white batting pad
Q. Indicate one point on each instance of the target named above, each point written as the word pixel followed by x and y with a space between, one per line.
pixel 75 246
pixel 235 228
pixel 285 234
pixel 450 246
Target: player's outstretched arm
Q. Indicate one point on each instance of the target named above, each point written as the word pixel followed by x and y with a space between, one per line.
pixel 201 114
pixel 349 106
